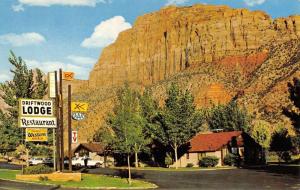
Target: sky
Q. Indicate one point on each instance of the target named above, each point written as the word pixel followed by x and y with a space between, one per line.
pixel 70 34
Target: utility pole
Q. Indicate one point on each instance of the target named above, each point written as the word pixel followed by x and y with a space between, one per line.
pixel 69 128
pixel 61 106
pixel 57 140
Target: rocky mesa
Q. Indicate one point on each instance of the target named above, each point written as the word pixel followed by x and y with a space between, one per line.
pixel 174 39
pixel 215 51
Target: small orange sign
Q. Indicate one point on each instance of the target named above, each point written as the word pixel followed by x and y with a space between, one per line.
pixel 68 75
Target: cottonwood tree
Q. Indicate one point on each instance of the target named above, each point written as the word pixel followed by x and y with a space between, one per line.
pixel 179 119
pixel 23 85
pixel 228 117
pixel 127 124
pixel 261 132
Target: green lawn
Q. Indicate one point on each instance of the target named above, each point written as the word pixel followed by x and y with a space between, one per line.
pixel 88 180
pixel 9 174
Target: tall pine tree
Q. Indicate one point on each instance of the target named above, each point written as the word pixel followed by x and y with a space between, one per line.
pixel 23 85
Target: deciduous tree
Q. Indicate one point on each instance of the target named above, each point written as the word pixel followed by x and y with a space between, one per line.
pixel 294 113
pixel 180 120
pixel 128 125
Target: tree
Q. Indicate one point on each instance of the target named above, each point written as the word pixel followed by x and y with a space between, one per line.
pixel 128 124
pixel 294 113
pixel 261 132
pixel 281 143
pixel 23 85
pixel 180 120
pixel 228 117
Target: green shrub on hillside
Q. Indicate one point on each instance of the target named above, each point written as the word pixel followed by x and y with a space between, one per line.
pixel 209 161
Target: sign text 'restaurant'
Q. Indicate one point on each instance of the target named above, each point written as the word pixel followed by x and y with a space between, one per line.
pixel 37 122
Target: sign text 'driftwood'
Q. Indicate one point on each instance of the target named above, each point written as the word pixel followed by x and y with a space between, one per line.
pixel 32 107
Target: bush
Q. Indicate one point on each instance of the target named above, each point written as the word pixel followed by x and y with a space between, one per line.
pixel 168 160
pixel 285 156
pixel 39 169
pixel 209 161
pixel 43 178
pixel 231 159
pixel 190 165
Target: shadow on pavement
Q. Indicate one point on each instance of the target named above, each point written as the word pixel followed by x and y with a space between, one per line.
pixel 278 170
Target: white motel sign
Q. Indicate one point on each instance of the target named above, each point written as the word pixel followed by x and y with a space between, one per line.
pixel 35 113
pixel 33 107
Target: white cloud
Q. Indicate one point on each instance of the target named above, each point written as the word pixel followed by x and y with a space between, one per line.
pixel 18 8
pixel 47 3
pixel 81 71
pixel 24 39
pixel 85 61
pixel 176 2
pixel 106 32
pixel 252 3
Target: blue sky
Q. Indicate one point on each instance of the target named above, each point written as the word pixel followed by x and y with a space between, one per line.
pixel 71 33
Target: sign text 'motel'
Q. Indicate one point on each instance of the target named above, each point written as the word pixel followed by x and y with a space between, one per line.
pixel 32 107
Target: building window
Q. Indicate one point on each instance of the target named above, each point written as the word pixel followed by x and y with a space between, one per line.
pixel 187 156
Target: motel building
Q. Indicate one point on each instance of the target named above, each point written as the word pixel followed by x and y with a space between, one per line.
pixel 220 144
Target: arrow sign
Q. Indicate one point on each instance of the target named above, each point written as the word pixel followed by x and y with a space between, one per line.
pixel 74 137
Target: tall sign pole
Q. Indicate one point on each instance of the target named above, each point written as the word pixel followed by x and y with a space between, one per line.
pixel 69 128
pixel 58 166
pixel 61 120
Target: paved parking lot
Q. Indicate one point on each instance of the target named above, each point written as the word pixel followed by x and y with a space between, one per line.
pixel 270 177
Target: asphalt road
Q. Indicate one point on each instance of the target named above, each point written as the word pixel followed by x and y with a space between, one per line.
pixel 271 177
pixel 9 185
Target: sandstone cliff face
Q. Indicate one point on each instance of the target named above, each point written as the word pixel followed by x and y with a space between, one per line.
pixel 173 39
pixel 214 51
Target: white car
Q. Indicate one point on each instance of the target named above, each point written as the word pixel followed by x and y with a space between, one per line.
pixel 36 161
pixel 79 162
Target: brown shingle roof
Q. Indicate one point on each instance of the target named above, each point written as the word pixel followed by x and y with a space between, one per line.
pixel 91 147
pixel 212 141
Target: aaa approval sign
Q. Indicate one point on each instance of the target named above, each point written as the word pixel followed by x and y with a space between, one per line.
pixel 35 113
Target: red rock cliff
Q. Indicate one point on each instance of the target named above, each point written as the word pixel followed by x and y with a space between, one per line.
pixel 174 39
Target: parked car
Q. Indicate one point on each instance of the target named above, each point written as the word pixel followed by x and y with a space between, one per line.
pixel 79 162
pixel 36 161
pixel 48 161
